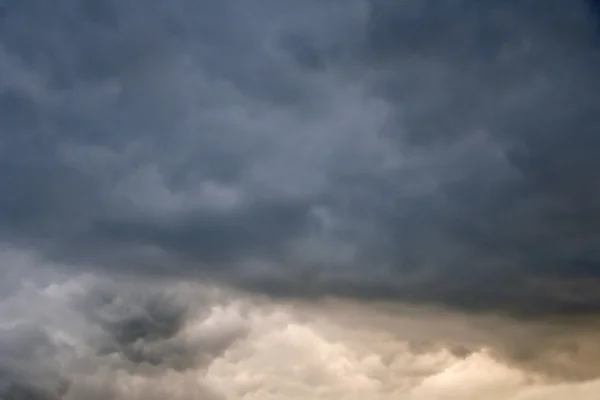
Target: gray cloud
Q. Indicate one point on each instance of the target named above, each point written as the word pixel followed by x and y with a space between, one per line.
pixel 144 325
pixel 409 151
pixel 27 366
pixel 91 337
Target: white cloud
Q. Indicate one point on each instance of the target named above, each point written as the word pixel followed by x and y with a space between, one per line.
pixel 240 347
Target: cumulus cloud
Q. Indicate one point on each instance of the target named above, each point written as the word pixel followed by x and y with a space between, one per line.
pixel 163 165
pixel 96 338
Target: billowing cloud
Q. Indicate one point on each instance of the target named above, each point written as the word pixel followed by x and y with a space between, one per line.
pixel 90 337
pixel 163 165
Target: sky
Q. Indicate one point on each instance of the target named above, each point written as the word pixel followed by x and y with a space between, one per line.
pixel 283 199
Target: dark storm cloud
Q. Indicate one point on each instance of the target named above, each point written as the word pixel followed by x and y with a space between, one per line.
pixel 134 326
pixel 524 214
pixel 144 326
pixel 411 150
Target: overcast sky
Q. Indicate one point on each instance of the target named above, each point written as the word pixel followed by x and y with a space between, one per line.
pixel 284 199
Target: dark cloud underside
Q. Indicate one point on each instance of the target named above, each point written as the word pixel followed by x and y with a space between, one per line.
pixel 421 151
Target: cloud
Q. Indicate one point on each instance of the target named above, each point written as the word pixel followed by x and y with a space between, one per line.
pixel 449 148
pixel 27 367
pixel 240 346
pixel 420 155
pixel 88 336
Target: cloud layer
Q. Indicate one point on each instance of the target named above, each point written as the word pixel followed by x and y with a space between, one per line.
pixel 414 150
pixel 207 199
